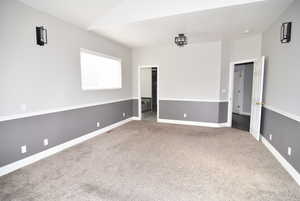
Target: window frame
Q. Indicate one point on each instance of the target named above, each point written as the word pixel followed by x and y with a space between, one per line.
pixel 100 55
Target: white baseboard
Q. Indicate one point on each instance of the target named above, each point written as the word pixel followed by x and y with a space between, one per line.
pixel 285 164
pixel 135 118
pixel 44 154
pixel 193 123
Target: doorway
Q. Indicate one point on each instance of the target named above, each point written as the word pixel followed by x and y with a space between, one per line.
pixel 148 93
pixel 238 110
pixel 242 96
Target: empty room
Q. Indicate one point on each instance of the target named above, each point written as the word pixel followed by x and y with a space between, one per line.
pixel 162 100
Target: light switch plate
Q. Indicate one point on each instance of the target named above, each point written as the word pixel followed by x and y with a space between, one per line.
pixel 289 151
pixel 46 142
pixel 23 149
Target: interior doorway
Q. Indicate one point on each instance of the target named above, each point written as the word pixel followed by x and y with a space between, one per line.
pixel 242 95
pixel 148 98
pixel 239 87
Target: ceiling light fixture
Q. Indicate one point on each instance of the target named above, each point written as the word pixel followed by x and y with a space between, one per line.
pixel 181 40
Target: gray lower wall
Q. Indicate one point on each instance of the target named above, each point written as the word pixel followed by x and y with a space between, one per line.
pixel 135 107
pixel 57 127
pixel 211 112
pixel 285 132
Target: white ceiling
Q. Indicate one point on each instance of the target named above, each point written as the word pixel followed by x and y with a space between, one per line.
pixel 139 23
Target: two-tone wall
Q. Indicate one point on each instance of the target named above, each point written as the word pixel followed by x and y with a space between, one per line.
pixel 240 50
pixel 40 87
pixel 58 127
pixel 37 78
pixel 189 81
pixel 281 114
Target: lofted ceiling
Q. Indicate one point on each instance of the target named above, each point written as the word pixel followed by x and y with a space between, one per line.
pixel 139 23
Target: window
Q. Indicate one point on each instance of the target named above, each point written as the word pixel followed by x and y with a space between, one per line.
pixel 99 71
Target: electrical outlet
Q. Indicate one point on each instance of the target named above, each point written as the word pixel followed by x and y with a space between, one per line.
pixel 184 115
pixel 98 124
pixel 270 137
pixel 124 114
pixel 289 151
pixel 46 142
pixel 23 149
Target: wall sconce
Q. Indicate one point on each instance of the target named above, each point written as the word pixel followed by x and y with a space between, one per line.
pixel 181 40
pixel 41 36
pixel 285 33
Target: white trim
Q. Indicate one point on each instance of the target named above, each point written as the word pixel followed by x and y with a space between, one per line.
pixel 244 61
pixel 285 164
pixel 193 123
pixel 135 118
pixel 279 111
pixel 139 90
pixel 58 109
pixel 193 99
pixel 44 154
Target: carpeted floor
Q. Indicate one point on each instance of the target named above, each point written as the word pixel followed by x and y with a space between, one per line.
pixel 149 116
pixel 147 161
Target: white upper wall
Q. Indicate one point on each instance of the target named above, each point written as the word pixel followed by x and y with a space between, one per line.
pixel 191 72
pixel 49 77
pixel 234 51
pixel 146 82
pixel 245 48
pixel 283 64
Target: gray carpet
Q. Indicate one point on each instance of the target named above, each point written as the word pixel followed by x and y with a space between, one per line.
pixel 149 116
pixel 147 161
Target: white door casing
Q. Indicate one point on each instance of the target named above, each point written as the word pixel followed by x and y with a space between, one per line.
pixel 257 93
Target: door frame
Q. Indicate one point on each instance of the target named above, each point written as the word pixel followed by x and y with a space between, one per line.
pixel 231 87
pixel 139 90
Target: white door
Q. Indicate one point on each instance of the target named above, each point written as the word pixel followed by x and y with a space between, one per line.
pixel 257 92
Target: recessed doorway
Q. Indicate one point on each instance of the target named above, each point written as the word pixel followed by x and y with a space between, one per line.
pixel 245 95
pixel 242 96
pixel 148 93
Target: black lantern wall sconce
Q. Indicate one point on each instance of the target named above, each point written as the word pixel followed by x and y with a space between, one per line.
pixel 41 36
pixel 181 40
pixel 285 33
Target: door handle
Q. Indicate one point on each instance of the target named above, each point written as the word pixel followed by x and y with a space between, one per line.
pixel 260 103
